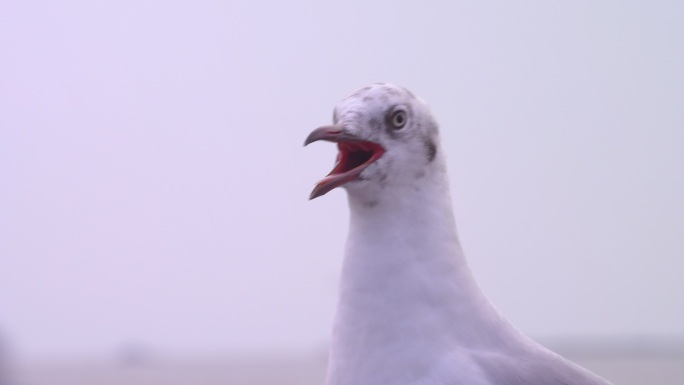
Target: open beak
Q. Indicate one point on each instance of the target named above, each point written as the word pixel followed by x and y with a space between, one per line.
pixel 355 154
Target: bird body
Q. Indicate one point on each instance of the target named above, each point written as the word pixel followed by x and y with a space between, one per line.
pixel 410 311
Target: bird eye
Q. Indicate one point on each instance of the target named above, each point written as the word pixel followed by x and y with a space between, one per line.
pixel 398 119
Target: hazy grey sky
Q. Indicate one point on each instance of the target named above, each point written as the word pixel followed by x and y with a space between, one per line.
pixel 153 184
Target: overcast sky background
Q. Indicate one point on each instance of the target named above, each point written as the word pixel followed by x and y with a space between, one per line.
pixel 153 184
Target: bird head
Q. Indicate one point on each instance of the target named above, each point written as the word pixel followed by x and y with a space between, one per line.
pixel 385 137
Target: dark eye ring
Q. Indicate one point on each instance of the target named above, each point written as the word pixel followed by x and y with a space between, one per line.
pixel 398 119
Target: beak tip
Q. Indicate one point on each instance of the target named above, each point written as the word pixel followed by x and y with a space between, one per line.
pixel 318 191
pixel 314 194
pixel 329 133
pixel 311 138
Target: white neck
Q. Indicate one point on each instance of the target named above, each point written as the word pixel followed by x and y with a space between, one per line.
pixel 406 295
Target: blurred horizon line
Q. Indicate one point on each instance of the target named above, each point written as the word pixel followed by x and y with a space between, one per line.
pixel 135 354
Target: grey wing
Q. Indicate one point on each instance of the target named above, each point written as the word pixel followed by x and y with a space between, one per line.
pixel 538 367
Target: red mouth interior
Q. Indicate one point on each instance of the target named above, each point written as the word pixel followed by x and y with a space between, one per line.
pixel 352 159
pixel 355 154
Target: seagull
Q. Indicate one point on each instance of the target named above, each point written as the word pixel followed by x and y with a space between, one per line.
pixel 410 311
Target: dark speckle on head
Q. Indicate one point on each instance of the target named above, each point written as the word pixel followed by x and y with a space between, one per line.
pixel 368 99
pixel 390 90
pixel 431 149
pixel 383 177
pixel 351 115
pixel 374 123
